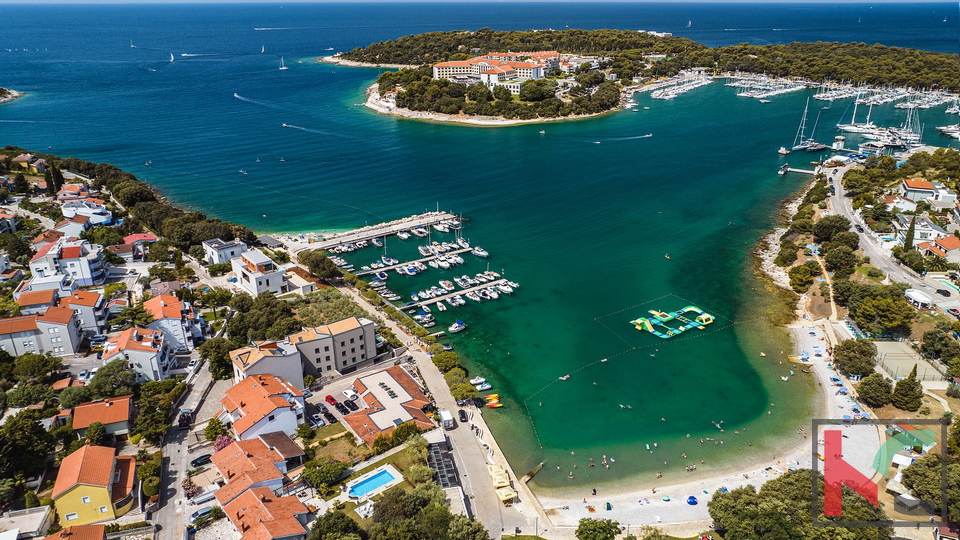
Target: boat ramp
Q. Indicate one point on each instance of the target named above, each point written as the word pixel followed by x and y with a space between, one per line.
pixel 408 263
pixel 380 230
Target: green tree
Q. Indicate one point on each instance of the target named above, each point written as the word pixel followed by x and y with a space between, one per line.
pixel 48 182
pixel 938 343
pixel 218 296
pixel 133 316
pixel 33 367
pixel 20 184
pixel 502 94
pixel 334 525
pixel 112 380
pixel 461 391
pixel 937 263
pixel 74 395
pixel 304 431
pixel 151 486
pixel 95 433
pixel 840 256
pixel 463 528
pixel 57 177
pixel 875 390
pixel 446 361
pixel 855 356
pixel 214 429
pixel 28 394
pixel 800 278
pixel 847 238
pixel 828 226
pixel 908 393
pixel 911 231
pixel 599 529
pixel 324 472
pixel 419 474
pixel 319 265
pixel 884 315
pixel 30 499
pixel 24 446
pixel 217 352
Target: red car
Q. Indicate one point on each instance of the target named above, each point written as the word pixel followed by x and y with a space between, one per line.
pixel 331 400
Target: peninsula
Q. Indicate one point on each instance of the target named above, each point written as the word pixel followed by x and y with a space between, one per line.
pixel 493 77
pixel 7 95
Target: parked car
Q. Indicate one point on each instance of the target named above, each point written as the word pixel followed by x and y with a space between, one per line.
pixel 955 312
pixel 318 420
pixel 201 460
pixel 203 512
pixel 463 416
pixel 943 292
pixel 341 409
pixel 93 372
pixel 351 405
pixel 858 228
pixel 84 375
pixel 99 338
pixel 97 347
pixel 330 418
pixel 331 400
pixel 193 364
pixel 323 408
pixel 181 350
pixel 350 394
pixel 307 393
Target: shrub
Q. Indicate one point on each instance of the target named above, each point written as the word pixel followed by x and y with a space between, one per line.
pixel 135 439
pixel 217 513
pixel 953 390
pixel 30 499
pixel 151 486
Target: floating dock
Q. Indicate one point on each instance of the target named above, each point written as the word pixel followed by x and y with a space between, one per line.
pixel 657 323
pixel 378 231
pixel 408 263
pixel 435 299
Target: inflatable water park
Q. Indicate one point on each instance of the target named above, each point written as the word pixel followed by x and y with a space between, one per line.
pixel 657 325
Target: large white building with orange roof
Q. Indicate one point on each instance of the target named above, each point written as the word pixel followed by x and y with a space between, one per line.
pixel 262 404
pixel 278 358
pixel 56 331
pixel 145 351
pixel 508 69
pixel 82 261
pixel 179 321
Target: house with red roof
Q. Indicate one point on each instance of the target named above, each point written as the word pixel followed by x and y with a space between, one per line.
pixel 261 404
pixel 179 321
pixel 73 192
pixel 80 532
pixel 8 272
pixel 947 247
pixel 31 163
pixel 139 239
pixel 82 261
pixel 116 415
pixel 74 226
pixel 899 203
pixel 258 514
pixel 248 464
pixel 36 301
pixel 146 352
pixel 388 399
pixel 8 221
pixel 916 189
pixel 90 307
pixel 94 485
pixel 56 331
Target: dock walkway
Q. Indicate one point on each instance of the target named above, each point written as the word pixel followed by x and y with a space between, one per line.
pixel 802 171
pixel 436 299
pixel 423 260
pixel 376 231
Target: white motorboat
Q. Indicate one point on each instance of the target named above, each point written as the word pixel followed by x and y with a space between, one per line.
pixel 403 235
pixel 377 242
pixel 440 227
pixel 433 264
pixel 477 380
pixel 483 387
pixel 472 295
pixel 457 327
pixel 480 252
pixel 783 151
pixel 440 306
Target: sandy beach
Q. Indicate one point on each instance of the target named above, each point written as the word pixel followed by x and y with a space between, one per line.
pixel 350 63
pixel 387 106
pixel 11 95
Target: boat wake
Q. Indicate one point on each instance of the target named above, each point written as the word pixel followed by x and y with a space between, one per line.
pixel 260 103
pixel 308 130
pixel 614 139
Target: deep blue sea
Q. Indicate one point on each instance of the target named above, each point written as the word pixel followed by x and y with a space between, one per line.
pixel 583 227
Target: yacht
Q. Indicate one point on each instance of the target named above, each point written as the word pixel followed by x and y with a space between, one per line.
pixel 403 235
pixel 472 295
pixel 382 276
pixel 282 66
pixel 462 242
pixel 456 327
pixel 425 250
pixel 477 380
pixel 440 227
pixel 440 306
pixel 432 263
pixel 480 252
pixel 783 151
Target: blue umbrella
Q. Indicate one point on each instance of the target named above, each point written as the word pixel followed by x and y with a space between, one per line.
pixel 691 500
pixel 847 417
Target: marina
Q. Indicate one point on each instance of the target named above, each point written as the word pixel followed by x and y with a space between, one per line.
pixel 463 292
pixel 423 260
pixel 368 233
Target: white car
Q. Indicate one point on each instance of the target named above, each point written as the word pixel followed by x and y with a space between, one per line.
pixel 193 364
pixel 350 394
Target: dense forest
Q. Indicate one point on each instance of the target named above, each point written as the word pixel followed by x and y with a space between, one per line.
pixel 855 62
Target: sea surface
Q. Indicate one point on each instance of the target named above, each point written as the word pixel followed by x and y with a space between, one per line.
pixel 583 216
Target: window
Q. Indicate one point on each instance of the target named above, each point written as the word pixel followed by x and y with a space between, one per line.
pixel 328 358
pixel 85 500
pixel 317 350
pixel 49 330
pixel 353 360
pixel 343 353
pixel 361 346
pixel 329 367
pixel 352 340
pixel 343 343
pixel 363 356
pixel 102 509
pixel 353 350
pixel 71 516
pixel 326 348
pixel 270 418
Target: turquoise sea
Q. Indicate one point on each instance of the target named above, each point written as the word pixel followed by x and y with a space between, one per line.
pixel 583 227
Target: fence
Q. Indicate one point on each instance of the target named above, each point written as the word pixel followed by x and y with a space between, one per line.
pixel 139 532
pixel 926 371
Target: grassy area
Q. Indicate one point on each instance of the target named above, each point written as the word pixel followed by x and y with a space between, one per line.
pixel 213 315
pixel 328 431
pixel 400 460
pixel 862 271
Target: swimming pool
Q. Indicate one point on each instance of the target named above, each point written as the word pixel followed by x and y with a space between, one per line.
pixel 371 483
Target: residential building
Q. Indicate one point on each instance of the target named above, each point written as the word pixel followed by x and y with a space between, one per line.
pixel 257 273
pixel 947 247
pixel 63 284
pixel 158 287
pixel 179 321
pixel 898 203
pixel 80 532
pixel 8 221
pixel 923 230
pixel 90 308
pixel 97 214
pixel 7 272
pixel 36 301
pixel 337 348
pixel 509 70
pixel 282 444
pixel 388 398
pixel 66 382
pixel 94 485
pixel 73 192
pixel 140 239
pixel 145 350
pixel 116 415
pixel 943 197
pixel 261 404
pixel 280 358
pixel 74 226
pixel 56 331
pixel 916 189
pixel 81 260
pixel 217 251
pixel 128 252
pixel 30 163
pixel 248 464
pixel 45 238
pixel 258 514
pixel 28 523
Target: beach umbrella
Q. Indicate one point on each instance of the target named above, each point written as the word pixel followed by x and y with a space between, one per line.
pixel 666 498
pixel 692 501
pixel 847 417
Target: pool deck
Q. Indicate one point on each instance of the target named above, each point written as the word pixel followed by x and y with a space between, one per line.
pixel 397 478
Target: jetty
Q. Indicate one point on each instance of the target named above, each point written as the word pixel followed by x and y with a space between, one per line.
pixel 408 263
pixel 461 292
pixel 802 171
pixel 380 230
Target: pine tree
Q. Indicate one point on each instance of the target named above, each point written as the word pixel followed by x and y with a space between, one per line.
pixel 48 180
pixel 57 179
pixel 908 394
pixel 908 239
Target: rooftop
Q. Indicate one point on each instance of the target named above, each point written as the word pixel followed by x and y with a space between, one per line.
pixel 107 411
pixel 256 397
pixel 79 532
pixel 90 465
pixel 244 463
pixel 134 339
pixel 260 515
pixel 392 398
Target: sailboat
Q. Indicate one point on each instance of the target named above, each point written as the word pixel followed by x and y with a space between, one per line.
pixel 689 24
pixel 171 57
pixel 132 46
pixel 800 142
pixel 262 49
pixel 854 127
pixel 281 64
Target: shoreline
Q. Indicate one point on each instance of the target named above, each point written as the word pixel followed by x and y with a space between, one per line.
pixel 350 63
pixel 11 96
pixel 385 107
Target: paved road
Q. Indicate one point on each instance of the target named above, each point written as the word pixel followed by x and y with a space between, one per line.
pixel 879 256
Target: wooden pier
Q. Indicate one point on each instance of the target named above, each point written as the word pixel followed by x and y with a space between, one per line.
pixel 423 260
pixel 377 231
pixel 461 292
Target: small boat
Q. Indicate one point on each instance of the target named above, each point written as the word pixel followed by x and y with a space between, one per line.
pixel 494 405
pixel 377 242
pixel 262 49
pixel 480 252
pixel 329 48
pixel 462 242
pixel 484 386
pixel 171 57
pixel 282 66
pixel 457 327
pixel 666 255
pixel 783 151
pixel 784 169
pixel 784 379
pixel 132 46
pixel 764 101
pixel 403 235
pixel 440 306
pixel 281 159
pixel 646 108
pixel 542 132
pixel 243 171
pixel 258 159
pixel 477 380
pixel 447 347
pixel 382 276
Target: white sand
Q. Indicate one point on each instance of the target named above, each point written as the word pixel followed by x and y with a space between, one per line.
pixel 351 63
pixel 12 95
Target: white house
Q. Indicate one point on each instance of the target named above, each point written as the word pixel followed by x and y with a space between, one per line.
pixel 257 273
pixel 337 348
pixel 90 308
pixel 7 272
pixel 74 226
pixel 63 284
pixel 145 351
pixel 79 259
pixel 217 251
pixel 261 404
pixel 899 203
pixel 56 331
pixel 943 197
pixel 947 247
pixel 96 213
pixel 923 230
pixel 916 189
pixel 280 358
pixel 179 321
